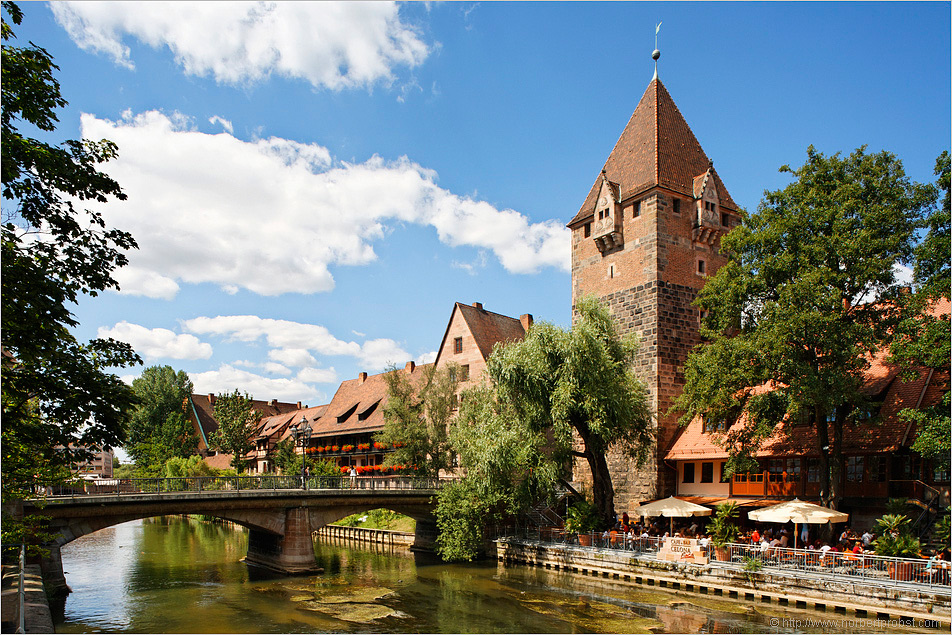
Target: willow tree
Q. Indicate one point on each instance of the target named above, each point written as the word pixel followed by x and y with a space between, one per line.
pixel 808 297
pixel 577 387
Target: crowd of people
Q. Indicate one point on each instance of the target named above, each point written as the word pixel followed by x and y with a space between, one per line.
pixel 766 539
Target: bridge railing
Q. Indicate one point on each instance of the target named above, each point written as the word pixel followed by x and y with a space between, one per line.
pixel 161 485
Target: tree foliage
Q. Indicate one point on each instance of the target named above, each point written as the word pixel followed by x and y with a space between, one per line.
pixel 58 398
pixel 925 337
pixel 578 384
pixel 808 296
pixel 290 462
pixel 417 417
pixel 237 420
pixel 158 428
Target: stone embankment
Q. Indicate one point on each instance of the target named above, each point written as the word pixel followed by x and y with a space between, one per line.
pixel 367 535
pixel 36 614
pixel 841 596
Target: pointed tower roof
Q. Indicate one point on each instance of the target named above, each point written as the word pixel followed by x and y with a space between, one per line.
pixel 657 148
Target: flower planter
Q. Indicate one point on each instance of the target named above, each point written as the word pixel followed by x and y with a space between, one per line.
pixel 722 554
pixel 585 540
pixel 900 571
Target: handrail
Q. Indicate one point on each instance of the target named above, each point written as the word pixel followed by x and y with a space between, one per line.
pixel 21 591
pixel 175 485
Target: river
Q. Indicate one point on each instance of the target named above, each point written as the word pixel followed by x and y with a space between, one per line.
pixel 178 575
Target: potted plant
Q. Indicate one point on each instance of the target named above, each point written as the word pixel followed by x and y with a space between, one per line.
pixel 896 541
pixel 582 519
pixel 722 530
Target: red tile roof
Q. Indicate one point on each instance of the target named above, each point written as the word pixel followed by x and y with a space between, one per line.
pixel 357 406
pixel 656 148
pixel 203 410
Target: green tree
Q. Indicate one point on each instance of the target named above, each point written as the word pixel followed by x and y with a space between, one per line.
pixel 237 420
pixel 579 385
pixel 417 418
pixel 507 466
pixel 792 307
pixel 58 398
pixel 925 337
pixel 158 428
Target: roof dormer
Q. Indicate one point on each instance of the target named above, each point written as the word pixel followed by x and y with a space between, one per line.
pixel 707 222
pixel 607 221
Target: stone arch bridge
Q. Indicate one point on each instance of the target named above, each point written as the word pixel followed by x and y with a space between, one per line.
pixel 281 513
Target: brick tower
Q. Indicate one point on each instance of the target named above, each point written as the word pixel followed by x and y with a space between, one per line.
pixel 644 242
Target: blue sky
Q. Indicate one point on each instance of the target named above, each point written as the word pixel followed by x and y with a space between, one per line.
pixel 313 186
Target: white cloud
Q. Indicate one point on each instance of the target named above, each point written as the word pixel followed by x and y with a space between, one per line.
pixel 227 378
pixel 332 44
pixel 297 357
pixel 157 343
pixel 427 358
pixel 293 343
pixel 272 215
pixel 276 369
pixel 224 123
pixel 318 375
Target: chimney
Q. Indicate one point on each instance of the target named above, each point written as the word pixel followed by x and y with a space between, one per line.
pixel 211 397
pixel 362 377
pixel 478 305
pixel 526 320
pixel 299 405
pixel 410 367
pixel 273 403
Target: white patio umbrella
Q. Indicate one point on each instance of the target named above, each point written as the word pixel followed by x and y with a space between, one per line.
pixel 672 508
pixel 798 512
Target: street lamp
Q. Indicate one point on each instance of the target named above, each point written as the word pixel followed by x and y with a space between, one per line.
pixel 301 432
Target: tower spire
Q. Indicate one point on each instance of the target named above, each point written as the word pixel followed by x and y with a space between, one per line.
pixel 656 53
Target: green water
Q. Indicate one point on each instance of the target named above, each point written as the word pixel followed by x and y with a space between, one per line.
pixel 173 575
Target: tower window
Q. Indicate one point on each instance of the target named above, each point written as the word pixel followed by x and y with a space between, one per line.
pixel 636 209
pixel 588 229
pixel 458 345
pixel 701 267
pixel 677 206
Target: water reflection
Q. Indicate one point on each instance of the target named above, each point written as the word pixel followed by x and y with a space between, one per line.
pixel 173 575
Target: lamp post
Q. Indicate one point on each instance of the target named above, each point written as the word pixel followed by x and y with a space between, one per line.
pixel 301 432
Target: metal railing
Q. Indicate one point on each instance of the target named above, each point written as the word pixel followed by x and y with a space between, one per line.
pixel 912 574
pixel 877 570
pixel 126 486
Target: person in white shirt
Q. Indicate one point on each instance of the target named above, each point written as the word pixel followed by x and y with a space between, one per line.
pixel 867 538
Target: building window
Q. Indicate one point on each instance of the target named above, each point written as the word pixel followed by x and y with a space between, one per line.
pixel 688 473
pixel 636 209
pixel 458 345
pixel 707 472
pixel 611 271
pixel 813 470
pixel 701 267
pixel 588 229
pixel 724 477
pixel 876 469
pixel 677 206
pixel 854 469
pixel 709 425
pixel 940 474
pixel 464 373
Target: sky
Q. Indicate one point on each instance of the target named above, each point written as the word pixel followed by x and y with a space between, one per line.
pixel 313 185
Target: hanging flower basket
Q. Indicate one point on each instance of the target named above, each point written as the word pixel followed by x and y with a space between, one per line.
pixel 335 448
pixel 348 448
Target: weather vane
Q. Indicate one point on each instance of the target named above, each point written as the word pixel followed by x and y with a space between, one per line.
pixel 656 53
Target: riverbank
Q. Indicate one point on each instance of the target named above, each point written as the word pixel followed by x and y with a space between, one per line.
pixel 902 607
pixel 367 535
